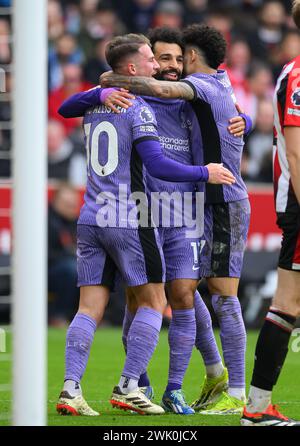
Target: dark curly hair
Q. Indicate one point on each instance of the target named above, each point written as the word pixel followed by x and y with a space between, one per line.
pixel 166 35
pixel 209 41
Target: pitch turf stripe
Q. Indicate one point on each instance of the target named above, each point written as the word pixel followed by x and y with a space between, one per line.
pixel 5 358
pixel 287 403
pixel 5 416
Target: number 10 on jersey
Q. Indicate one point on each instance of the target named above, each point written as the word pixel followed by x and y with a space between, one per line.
pixel 93 148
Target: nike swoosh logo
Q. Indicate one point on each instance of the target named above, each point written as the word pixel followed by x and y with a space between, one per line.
pixel 195 268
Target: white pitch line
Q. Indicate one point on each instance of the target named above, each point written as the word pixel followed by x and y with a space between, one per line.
pixel 288 402
pixel 90 401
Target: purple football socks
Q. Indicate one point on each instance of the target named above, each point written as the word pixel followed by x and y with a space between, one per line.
pixel 205 339
pixel 142 339
pixel 80 336
pixel 182 332
pixel 128 318
pixel 127 321
pixel 233 337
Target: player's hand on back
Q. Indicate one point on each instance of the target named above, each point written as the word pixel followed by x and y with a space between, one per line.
pixel 237 126
pixel 219 174
pixel 119 98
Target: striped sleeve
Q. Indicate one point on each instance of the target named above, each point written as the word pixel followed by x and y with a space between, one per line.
pixel 292 105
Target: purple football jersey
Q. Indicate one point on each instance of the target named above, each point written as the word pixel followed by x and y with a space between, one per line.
pixel 115 171
pixel 174 129
pixel 214 105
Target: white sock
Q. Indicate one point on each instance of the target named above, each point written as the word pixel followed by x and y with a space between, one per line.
pixel 72 387
pixel 258 400
pixel 128 385
pixel 238 393
pixel 214 370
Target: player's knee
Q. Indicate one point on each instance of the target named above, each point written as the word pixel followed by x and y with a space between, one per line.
pixel 132 305
pixel 151 296
pixel 223 289
pixel 181 299
pixel 94 309
pixel 297 308
pixel 290 305
pixel 94 313
pixel 157 303
pixel 214 287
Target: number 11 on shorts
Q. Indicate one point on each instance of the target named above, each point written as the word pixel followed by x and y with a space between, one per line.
pixel 197 249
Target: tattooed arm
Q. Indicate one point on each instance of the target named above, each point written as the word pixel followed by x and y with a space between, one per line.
pixel 147 86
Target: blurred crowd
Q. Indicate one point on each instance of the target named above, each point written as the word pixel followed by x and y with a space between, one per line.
pixel 261 38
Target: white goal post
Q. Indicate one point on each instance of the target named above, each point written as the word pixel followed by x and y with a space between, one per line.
pixel 29 212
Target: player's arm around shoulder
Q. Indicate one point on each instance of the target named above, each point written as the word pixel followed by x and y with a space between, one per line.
pixel 146 86
pixel 116 99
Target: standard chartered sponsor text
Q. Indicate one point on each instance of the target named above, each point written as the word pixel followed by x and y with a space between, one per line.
pixel 177 144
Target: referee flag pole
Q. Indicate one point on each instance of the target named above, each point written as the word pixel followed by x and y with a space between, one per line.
pixel 29 212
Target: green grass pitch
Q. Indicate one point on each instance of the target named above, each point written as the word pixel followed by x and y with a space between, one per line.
pixel 103 370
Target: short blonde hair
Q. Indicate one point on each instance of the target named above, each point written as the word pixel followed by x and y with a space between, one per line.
pixel 121 47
